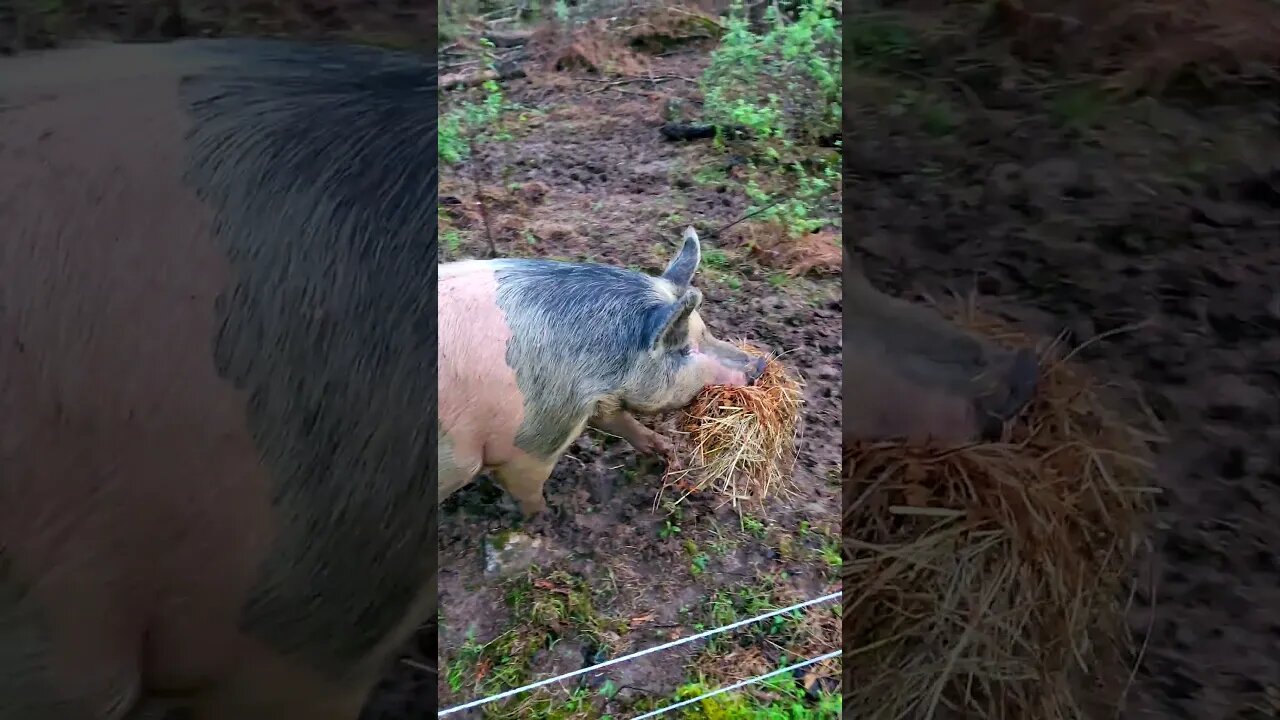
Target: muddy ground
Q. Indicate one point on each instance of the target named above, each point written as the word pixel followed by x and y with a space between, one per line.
pixel 1064 211
pixel 1070 211
pixel 35 24
pixel 582 173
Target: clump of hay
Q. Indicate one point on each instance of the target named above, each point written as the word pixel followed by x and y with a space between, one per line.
pixel 991 580
pixel 775 246
pixel 742 439
pixel 590 47
pixel 661 28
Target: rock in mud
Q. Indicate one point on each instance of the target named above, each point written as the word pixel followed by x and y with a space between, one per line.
pixel 510 553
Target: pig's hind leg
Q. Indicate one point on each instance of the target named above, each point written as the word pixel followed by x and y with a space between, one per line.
pixel 624 425
pixel 101 683
pixel 523 478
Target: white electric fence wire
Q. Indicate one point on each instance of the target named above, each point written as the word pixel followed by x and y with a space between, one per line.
pixel 634 655
pixel 735 686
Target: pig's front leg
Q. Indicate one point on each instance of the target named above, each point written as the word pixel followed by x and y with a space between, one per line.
pixel 624 425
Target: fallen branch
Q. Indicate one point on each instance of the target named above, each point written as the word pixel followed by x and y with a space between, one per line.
pixel 614 84
pixel 700 131
pixel 655 79
pixel 506 39
pixel 505 71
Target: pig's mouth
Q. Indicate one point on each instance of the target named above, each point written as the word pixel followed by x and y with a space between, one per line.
pixel 737 374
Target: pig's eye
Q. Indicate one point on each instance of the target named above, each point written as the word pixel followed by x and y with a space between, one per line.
pixel 686 351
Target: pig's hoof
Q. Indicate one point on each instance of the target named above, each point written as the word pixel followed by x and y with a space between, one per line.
pixel 532 508
pixel 541 523
pixel 660 446
pixel 1017 390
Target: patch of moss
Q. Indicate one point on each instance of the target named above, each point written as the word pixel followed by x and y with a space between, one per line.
pixel 788 701
pixel 500 539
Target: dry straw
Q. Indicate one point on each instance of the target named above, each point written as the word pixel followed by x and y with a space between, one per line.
pixel 991 580
pixel 742 439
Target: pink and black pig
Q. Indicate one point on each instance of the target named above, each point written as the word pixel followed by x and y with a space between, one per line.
pixel 532 352
pixel 217 377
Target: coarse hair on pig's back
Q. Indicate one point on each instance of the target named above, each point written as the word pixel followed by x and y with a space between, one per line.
pixel 577 330
pixel 319 165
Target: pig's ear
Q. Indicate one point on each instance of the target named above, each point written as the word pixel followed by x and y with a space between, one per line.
pixel 685 263
pixel 668 325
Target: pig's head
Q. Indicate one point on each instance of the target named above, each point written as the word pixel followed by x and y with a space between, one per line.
pixel 679 355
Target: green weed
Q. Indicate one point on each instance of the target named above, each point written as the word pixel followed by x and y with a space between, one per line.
pixel 715 258
pixel 461 127
pixel 1078 107
pixel 881 41
pixel 668 530
pixel 750 74
pixel 728 606
pixel 787 702
pixel 452 241
pixel 546 608
pixel 698 563
pixel 456 673
pixel 710 175
pixel 771 94
pixel 937 117
pixel 549 705
pixel 829 551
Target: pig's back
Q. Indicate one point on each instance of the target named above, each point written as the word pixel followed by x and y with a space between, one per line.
pixel 115 427
pixel 200 353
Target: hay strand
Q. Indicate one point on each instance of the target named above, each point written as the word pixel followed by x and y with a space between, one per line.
pixel 742 440
pixel 991 580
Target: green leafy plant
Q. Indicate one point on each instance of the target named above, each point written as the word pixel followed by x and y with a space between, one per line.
pixel 877 42
pixel 753 525
pixel 462 126
pixel 785 700
pixel 830 553
pixel 452 241
pixel 774 95
pixel 782 82
pixel 698 564
pixel 668 530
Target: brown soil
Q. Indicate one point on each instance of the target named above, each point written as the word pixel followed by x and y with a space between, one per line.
pixel 1062 213
pixel 590 178
pixel 1068 212
pixel 29 24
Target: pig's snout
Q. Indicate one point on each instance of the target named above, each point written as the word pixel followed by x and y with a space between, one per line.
pixel 755 370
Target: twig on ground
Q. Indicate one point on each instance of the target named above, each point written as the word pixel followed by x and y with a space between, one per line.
pixel 507 70
pixel 484 209
pixel 655 79
pixel 624 91
pixel 513 38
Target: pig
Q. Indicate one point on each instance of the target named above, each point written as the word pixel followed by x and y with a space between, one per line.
pixel 532 352
pixel 909 374
pixel 217 377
